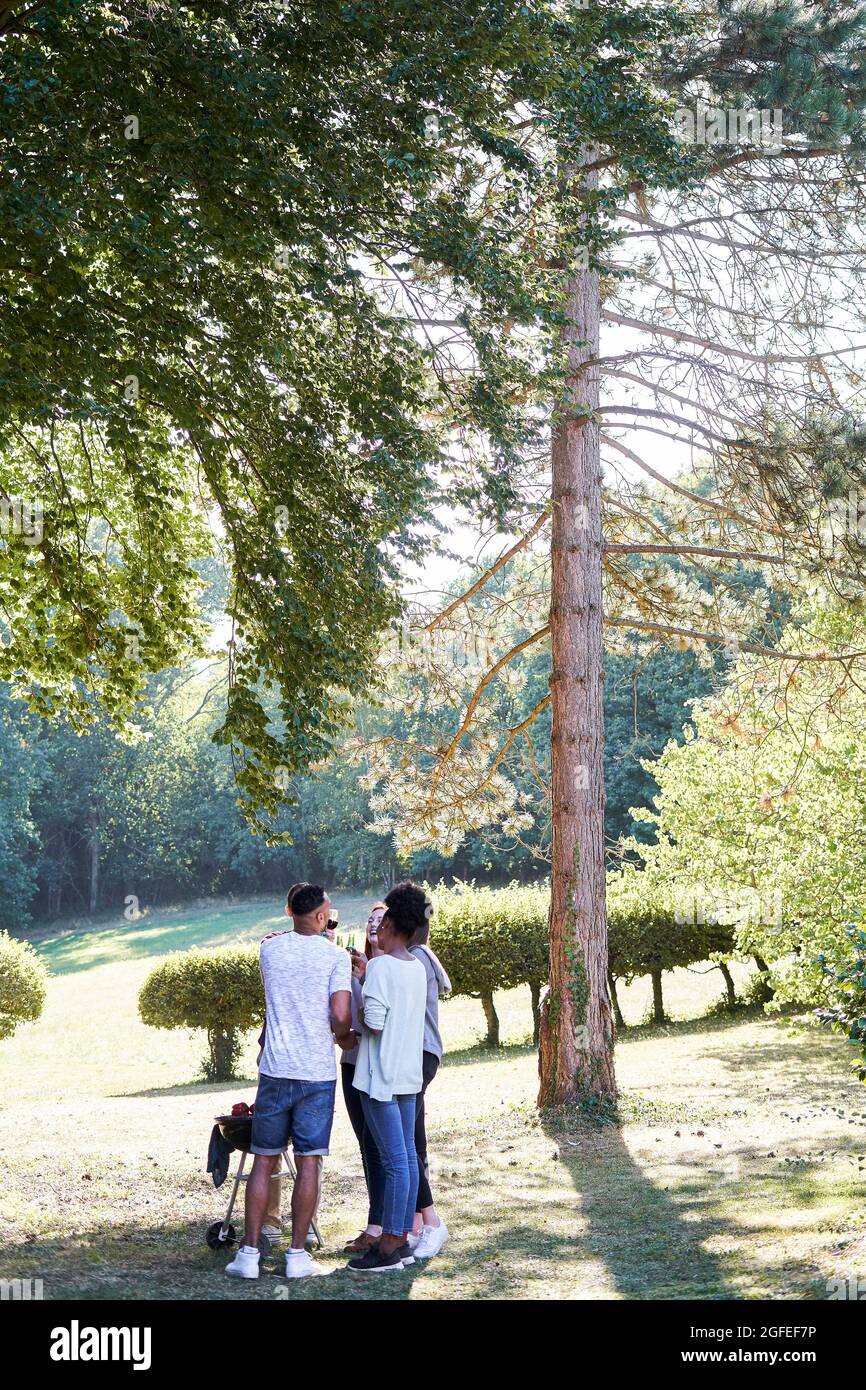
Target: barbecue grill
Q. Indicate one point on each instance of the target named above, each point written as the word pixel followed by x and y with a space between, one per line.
pixel 237 1131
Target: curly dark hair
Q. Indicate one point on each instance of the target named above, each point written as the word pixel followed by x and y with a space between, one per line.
pixel 408 908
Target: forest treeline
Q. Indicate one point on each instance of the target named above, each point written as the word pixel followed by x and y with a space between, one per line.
pixel 88 820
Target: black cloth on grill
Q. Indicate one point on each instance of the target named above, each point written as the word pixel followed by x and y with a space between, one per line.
pixel 218 1152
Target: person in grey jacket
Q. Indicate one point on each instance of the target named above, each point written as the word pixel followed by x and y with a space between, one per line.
pixel 430 1230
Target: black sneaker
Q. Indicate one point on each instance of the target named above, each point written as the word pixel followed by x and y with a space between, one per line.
pixel 405 1253
pixel 374 1262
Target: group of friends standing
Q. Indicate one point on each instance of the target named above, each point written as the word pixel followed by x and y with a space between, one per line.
pixel 381 1008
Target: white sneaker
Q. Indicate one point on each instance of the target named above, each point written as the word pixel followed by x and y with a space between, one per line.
pixel 412 1240
pixel 272 1232
pixel 300 1264
pixel 431 1241
pixel 245 1264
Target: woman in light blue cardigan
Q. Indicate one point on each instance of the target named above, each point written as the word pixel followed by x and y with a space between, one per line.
pixel 389 1070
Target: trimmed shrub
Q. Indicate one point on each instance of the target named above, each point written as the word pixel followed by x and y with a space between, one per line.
pixel 496 938
pixel 22 984
pixel 490 939
pixel 645 937
pixel 218 990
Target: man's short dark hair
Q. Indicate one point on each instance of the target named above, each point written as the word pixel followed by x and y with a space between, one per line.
pixel 290 896
pixel 306 899
pixel 408 908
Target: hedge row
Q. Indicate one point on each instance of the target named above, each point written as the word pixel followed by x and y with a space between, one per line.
pixel 488 939
pixel 495 938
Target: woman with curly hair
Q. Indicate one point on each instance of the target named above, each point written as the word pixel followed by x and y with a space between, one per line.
pixel 389 1072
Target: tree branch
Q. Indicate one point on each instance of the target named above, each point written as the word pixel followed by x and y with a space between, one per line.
pixel 518 729
pixel 707 502
pixel 476 696
pixel 629 548
pixel 765 359
pixel 647 412
pixel 742 645
pixel 488 574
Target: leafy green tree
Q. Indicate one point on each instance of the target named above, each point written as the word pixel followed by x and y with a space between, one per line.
pixel 91 818
pixel 314 407
pixel 759 813
pixel 847 1014
pixel 218 991
pixel 19 776
pixel 208 217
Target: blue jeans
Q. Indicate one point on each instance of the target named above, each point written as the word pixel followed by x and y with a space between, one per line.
pixel 300 1110
pixel 392 1124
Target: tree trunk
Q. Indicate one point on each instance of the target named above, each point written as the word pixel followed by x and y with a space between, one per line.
pixel 535 991
pixel 658 1000
pixel 765 990
pixel 93 821
pixel 492 1039
pixel 576 1045
pixel 729 983
pixel 222 1054
pixel 621 1024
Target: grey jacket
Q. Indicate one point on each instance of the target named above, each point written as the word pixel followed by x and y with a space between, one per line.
pixel 437 983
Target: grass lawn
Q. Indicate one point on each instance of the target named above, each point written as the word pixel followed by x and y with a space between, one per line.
pixel 737 1170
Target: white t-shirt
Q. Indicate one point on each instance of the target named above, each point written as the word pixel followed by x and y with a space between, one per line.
pixel 300 974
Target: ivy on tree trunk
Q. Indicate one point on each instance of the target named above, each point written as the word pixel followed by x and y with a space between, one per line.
pixel 535 991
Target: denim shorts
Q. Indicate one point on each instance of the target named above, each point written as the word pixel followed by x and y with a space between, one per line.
pixel 302 1111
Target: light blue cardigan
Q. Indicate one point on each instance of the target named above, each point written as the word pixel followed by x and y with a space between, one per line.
pixel 395 1003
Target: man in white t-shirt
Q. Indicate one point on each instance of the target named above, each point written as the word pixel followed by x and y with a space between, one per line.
pixel 307 1005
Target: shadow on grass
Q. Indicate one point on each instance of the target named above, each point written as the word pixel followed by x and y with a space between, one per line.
pixel 71 952
pixel 711 1022
pixel 584 1222
pixel 821 1063
pixel 173 1262
pixel 85 943
pixel 189 1088
pixel 714 1022
pixel 477 1053
pixel 634 1225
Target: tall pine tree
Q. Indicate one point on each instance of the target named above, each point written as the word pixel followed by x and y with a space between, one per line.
pixel 718 314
